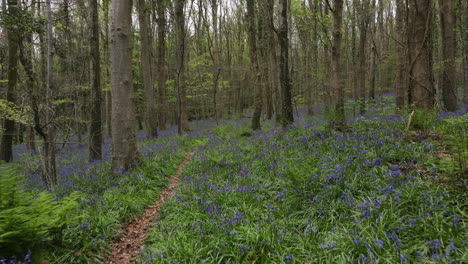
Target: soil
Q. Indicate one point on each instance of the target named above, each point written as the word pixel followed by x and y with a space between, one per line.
pixel 126 248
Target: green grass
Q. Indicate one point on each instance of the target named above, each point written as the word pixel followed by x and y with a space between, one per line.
pixel 311 196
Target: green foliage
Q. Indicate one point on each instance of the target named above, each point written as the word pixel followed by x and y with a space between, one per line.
pixel 423 119
pixel 227 132
pixel 456 131
pixel 27 220
pixel 22 21
pixel 14 112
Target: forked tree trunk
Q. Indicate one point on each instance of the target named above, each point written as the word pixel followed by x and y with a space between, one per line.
pixel 125 152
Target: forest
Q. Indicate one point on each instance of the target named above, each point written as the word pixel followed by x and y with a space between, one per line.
pixel 233 131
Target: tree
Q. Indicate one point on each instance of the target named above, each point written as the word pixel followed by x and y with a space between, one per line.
pixel 182 116
pixel 449 42
pixel 50 169
pixel 125 152
pixel 401 80
pixel 465 54
pixel 6 151
pixel 146 67
pixel 254 62
pixel 287 116
pixel 336 57
pixel 362 65
pixel 420 35
pixel 95 133
pixel 162 66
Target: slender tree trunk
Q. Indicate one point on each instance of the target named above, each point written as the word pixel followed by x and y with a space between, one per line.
pixel 182 116
pixel 50 171
pixel 125 152
pixel 108 93
pixel 287 116
pixel 373 72
pixel 362 65
pixel 6 151
pixel 336 57
pixel 95 132
pixel 465 54
pixel 421 75
pixel 146 65
pixel 401 82
pixel 25 55
pixel 162 67
pixel 449 41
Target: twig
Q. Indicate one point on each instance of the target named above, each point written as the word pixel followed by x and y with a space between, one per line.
pixel 409 122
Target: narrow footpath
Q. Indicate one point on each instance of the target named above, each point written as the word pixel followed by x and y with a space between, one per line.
pixel 126 248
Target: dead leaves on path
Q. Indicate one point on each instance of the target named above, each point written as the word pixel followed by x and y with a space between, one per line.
pixel 132 238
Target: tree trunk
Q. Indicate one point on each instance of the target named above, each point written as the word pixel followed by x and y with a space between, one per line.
pixel 336 57
pixel 108 93
pixel 362 65
pixel 287 116
pixel 95 133
pixel 6 151
pixel 421 75
pixel 162 67
pixel 448 82
pixel 50 171
pixel 125 152
pixel 146 68
pixel 182 117
pixel 401 82
pixel 465 55
pixel 25 56
pixel 256 85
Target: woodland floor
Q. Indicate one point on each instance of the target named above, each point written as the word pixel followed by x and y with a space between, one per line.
pixel 307 194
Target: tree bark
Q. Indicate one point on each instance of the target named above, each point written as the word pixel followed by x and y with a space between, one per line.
pixel 50 171
pixel 287 116
pixel 420 35
pixel 401 82
pixel 125 152
pixel 256 85
pixel 6 151
pixel 465 55
pixel 449 43
pixel 95 132
pixel 108 93
pixel 182 116
pixel 336 57
pixel 151 111
pixel 162 67
pixel 362 65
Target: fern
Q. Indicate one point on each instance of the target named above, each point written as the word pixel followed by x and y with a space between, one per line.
pixel 25 219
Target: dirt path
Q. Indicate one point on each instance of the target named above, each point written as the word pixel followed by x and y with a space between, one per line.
pixel 133 237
